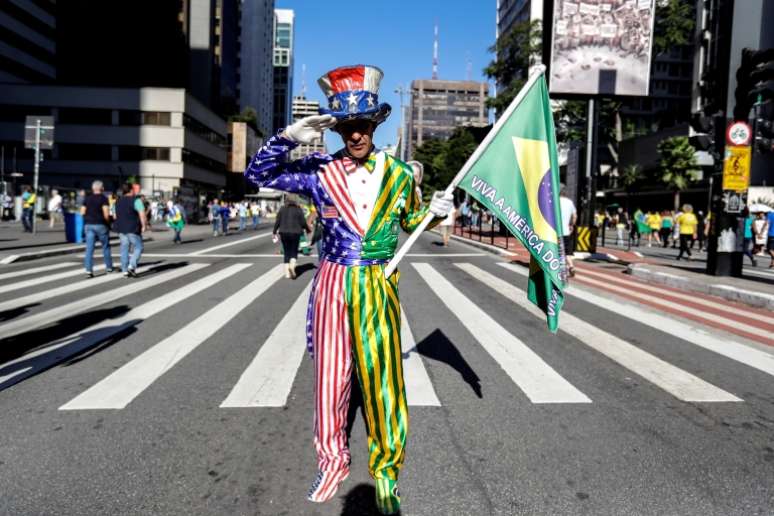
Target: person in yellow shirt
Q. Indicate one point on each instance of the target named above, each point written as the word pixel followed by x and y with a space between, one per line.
pixel 653 220
pixel 688 224
pixel 29 198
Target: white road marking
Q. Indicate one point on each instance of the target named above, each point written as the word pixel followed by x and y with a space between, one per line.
pixel 35 270
pixel 277 255
pixel 64 289
pixel 76 343
pixel 229 244
pixel 696 335
pixel 539 382
pixel 39 319
pixel 754 330
pixel 419 388
pixel 677 382
pixel 762 274
pixel 267 381
pixel 46 279
pixel 661 291
pixel 118 389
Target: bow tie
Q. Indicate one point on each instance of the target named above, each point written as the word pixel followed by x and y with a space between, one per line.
pixel 350 165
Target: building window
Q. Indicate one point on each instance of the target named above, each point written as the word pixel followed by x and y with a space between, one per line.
pixel 85 116
pixel 135 153
pixel 198 160
pixel 11 113
pixel 133 118
pixel 204 132
pixel 83 152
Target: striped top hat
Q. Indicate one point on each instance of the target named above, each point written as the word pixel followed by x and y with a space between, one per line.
pixel 353 92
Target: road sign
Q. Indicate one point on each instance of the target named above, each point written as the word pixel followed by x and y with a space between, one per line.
pixel 46 132
pixel 736 169
pixel 739 134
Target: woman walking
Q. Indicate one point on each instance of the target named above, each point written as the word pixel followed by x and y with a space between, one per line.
pixel 687 223
pixel 175 220
pixel 290 224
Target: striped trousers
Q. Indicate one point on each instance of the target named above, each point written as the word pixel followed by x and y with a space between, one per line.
pixel 356 323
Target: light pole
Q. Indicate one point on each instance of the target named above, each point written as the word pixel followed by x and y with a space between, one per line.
pixel 400 90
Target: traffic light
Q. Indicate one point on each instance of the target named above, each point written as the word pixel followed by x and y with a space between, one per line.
pixel 702 124
pixel 754 80
pixel 764 126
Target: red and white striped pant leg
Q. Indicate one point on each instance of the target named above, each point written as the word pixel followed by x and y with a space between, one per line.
pixel 333 368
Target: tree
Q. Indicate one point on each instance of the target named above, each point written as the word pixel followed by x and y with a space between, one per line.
pixel 515 52
pixel 674 24
pixel 249 116
pixel 678 165
pixel 442 159
pixel 628 178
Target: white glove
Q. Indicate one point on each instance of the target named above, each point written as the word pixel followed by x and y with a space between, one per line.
pixel 309 128
pixel 441 204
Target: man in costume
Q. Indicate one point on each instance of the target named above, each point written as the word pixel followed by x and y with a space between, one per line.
pixel 364 197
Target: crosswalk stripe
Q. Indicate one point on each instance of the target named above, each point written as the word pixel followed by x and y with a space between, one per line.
pixel 680 384
pixel 229 244
pixel 419 388
pixel 64 289
pixel 118 389
pixel 696 335
pixel 40 319
pixel 539 382
pixel 661 291
pixel 46 279
pixel 76 343
pixel 267 381
pixel 35 270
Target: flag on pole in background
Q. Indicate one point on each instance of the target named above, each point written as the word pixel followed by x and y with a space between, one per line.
pixel 517 178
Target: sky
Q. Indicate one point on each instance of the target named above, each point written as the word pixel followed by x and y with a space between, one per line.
pixel 396 36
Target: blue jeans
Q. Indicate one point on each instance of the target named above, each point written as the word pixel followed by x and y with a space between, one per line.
pixel 27 219
pixel 94 232
pixel 242 223
pixel 135 242
pixel 256 220
pixel 215 225
pixel 224 223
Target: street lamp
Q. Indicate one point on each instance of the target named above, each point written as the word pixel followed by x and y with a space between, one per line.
pixel 400 90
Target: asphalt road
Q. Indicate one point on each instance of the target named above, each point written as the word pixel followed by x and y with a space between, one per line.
pixel 112 404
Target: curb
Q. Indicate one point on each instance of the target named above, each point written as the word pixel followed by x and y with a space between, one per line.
pixel 480 245
pixel 25 257
pixel 747 297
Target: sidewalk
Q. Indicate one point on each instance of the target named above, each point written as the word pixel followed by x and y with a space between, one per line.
pixel 755 290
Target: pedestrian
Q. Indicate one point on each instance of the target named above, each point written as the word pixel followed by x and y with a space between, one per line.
pixel 6 206
pixel 770 236
pixel 255 212
pixel 175 220
pixel 131 223
pixel 242 210
pixel 653 220
pixel 364 197
pixel 54 208
pixel 666 227
pixel 700 231
pixel 676 229
pixel 759 230
pixel 315 222
pixel 687 224
pixel 225 212
pixel 620 220
pixel 569 218
pixel 634 230
pixel 447 226
pixel 28 208
pixel 290 224
pixel 96 223
pixel 214 216
pixel 747 235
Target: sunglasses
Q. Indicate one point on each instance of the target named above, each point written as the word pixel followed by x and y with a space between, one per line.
pixel 352 126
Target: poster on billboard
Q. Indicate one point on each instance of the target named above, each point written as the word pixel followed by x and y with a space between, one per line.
pixel 601 47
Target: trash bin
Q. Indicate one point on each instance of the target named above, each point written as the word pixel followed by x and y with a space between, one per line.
pixel 73 227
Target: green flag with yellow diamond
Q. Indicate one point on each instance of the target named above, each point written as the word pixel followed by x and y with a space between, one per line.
pixel 516 177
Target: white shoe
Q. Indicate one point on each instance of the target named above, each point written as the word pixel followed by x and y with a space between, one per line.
pixel 287 270
pixel 292 267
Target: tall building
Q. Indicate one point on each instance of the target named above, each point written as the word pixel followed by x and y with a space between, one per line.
pixel 283 67
pixel 28 42
pixel 438 107
pixel 303 107
pixel 256 76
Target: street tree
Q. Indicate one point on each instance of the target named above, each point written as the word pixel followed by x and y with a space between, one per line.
pixel 678 166
pixel 628 178
pixel 674 24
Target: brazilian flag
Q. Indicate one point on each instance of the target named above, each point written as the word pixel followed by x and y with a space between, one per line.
pixel 516 176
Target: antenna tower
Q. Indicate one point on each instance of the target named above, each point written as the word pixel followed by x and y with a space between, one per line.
pixel 303 81
pixel 435 52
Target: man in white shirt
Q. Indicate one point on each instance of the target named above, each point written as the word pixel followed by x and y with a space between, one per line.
pixel 54 208
pixel 569 218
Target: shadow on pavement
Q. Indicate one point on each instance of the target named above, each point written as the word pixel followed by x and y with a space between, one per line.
pixel 13 313
pixel 361 501
pixel 438 347
pixel 37 244
pixel 301 269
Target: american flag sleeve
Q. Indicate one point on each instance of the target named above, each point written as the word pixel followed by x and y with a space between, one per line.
pixel 270 168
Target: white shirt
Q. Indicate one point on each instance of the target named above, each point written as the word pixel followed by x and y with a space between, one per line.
pixel 568 210
pixel 55 203
pixel 363 188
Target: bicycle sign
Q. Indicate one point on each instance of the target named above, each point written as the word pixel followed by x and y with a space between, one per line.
pixel 739 134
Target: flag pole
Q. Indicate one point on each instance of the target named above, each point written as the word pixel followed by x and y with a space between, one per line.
pixel 537 72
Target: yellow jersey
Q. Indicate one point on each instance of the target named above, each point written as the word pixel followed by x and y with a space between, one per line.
pixel 688 223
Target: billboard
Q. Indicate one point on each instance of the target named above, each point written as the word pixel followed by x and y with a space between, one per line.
pixel 601 47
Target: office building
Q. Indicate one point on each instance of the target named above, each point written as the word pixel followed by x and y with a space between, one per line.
pixel 438 107
pixel 302 107
pixel 256 77
pixel 28 42
pixel 283 67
